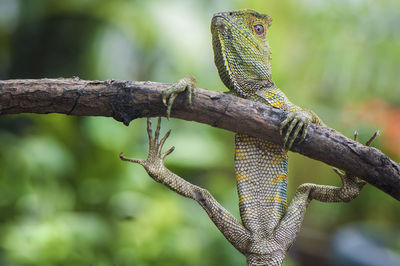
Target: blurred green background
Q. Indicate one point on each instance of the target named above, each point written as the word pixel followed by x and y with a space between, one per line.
pixel 67 199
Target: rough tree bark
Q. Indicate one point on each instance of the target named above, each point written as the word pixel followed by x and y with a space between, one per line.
pixel 127 100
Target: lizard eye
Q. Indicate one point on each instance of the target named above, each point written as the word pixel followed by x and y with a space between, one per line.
pixel 259 29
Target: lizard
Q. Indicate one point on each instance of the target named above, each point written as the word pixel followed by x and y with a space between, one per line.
pixel 269 225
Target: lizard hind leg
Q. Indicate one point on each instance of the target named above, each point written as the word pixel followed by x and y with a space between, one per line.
pixel 290 224
pixel 229 226
pixel 187 83
pixel 351 181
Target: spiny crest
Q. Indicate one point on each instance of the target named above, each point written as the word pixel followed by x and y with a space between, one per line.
pixel 252 14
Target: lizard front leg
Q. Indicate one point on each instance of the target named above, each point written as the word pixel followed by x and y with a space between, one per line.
pixel 187 83
pixel 290 224
pixel 297 123
pixel 230 227
pixel 298 120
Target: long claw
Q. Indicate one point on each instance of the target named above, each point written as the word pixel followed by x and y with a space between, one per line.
pixel 190 93
pixel 133 160
pixel 337 171
pixel 170 102
pixel 168 152
pixel 361 184
pixel 286 121
pixel 299 126
pixel 289 145
pixel 293 123
pixel 149 131
pixel 164 97
pixel 157 133
pixel 305 131
pixel 164 139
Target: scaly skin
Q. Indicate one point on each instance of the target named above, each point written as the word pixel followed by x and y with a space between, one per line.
pixel 269 226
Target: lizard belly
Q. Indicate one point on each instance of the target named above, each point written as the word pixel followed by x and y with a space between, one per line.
pixel 261 174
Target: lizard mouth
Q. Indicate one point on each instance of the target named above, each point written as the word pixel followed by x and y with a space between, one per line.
pixel 218 22
pixel 219 32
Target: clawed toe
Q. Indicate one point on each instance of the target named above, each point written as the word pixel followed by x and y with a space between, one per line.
pixel 155 154
pixel 156 144
pixel 297 126
pixel 187 83
pixel 133 160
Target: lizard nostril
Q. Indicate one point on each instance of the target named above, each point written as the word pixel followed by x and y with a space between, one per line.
pixel 230 13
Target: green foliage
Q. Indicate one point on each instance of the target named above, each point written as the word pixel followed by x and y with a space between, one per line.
pixel 67 199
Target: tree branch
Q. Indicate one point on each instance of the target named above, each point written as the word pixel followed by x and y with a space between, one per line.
pixel 127 100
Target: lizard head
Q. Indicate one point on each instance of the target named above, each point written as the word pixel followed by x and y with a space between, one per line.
pixel 241 50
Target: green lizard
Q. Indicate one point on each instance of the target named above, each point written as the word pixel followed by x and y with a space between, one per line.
pixel 269 226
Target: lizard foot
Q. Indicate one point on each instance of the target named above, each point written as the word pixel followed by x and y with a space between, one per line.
pixel 187 83
pixel 351 184
pixel 154 164
pixel 295 122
